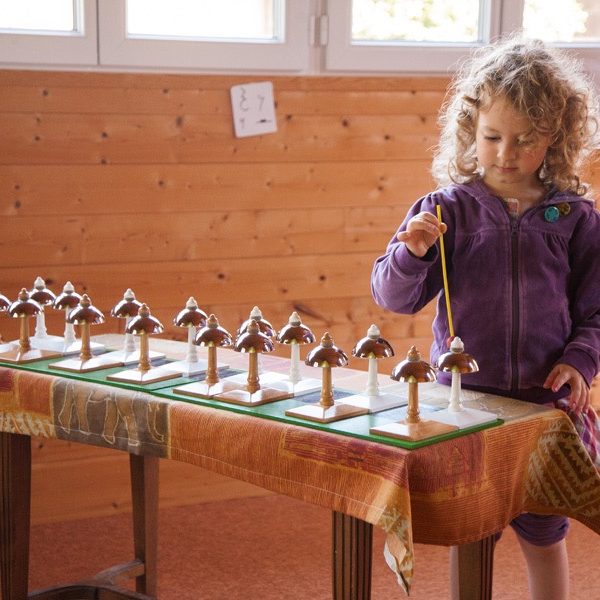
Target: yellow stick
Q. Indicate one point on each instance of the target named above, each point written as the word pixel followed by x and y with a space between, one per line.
pixel 445 274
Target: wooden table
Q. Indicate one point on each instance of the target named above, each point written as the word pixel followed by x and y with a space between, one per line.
pixel 457 492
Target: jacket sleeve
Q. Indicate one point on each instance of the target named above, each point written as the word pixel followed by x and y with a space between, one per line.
pixel 583 349
pixel 402 282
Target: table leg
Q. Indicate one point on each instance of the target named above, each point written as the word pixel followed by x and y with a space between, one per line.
pixel 144 494
pixel 474 570
pixel 352 551
pixel 15 502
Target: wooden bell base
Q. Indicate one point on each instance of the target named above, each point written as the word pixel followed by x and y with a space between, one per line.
pixel 76 365
pixel 243 397
pixel 16 355
pixel 152 375
pixel 375 403
pixel 413 432
pixel 319 414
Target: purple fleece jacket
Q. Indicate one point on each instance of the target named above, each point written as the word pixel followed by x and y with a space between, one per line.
pixel 524 292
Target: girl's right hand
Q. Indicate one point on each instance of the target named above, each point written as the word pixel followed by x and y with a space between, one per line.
pixel 421 233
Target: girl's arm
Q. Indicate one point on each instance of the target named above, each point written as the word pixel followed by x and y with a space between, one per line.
pixel 583 350
pixel 403 279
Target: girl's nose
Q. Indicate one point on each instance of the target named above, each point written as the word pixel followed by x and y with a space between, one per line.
pixel 507 151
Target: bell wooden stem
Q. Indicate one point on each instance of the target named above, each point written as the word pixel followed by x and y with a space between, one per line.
pixel 85 353
pixel 24 344
pixel 326 400
pixel 144 365
pixel 253 383
pixel 212 375
pixel 412 414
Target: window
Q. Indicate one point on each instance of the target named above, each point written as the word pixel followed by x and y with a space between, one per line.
pixel 43 32
pixel 282 36
pixel 265 34
pixel 426 36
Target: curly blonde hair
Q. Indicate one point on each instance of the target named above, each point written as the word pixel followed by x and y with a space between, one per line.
pixel 540 82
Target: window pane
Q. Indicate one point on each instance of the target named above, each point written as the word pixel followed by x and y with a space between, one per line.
pixel 27 16
pixel 565 21
pixel 259 20
pixel 415 20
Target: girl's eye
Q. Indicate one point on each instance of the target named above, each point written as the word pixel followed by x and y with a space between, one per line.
pixel 525 142
pixel 491 138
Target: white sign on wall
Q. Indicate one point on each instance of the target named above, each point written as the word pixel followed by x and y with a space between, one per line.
pixel 253 109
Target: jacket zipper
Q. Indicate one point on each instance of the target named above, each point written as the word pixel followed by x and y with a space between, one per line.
pixel 516 317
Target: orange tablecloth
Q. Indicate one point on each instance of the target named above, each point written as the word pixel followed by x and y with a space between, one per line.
pixel 450 493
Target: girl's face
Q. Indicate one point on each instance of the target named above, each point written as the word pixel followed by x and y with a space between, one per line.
pixel 509 151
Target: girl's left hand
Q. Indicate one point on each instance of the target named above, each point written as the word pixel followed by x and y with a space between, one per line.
pixel 562 374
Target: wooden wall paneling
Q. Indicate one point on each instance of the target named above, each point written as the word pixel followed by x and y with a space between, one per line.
pixel 57 138
pixel 34 190
pixel 124 100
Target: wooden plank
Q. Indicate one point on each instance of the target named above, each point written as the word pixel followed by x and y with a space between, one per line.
pixel 58 240
pixel 152 139
pixel 169 81
pixel 128 100
pixel 336 275
pixel 196 235
pixel 55 190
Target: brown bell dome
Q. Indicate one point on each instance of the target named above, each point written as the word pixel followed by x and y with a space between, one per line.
pixel 85 312
pixel 373 345
pixel 212 334
pixel 68 298
pixel 413 369
pixel 295 332
pixel 24 306
pixel 326 354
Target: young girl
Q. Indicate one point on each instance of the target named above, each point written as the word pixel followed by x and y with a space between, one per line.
pixel 522 248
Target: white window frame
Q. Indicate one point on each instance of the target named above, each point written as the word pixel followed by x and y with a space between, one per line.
pixel 498 17
pixel 65 49
pixel 118 50
pixel 318 41
pixel 341 55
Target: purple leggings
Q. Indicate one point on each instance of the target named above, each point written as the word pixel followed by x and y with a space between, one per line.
pixel 540 530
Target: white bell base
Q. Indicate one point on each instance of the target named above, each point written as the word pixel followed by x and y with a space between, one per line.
pixel 466 417
pixel 282 381
pixel 57 344
pixel 193 368
pixel 200 389
pixel 77 365
pixel 375 403
pixel 133 358
pixel 153 375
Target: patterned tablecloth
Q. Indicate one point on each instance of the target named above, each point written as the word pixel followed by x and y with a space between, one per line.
pixel 454 492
